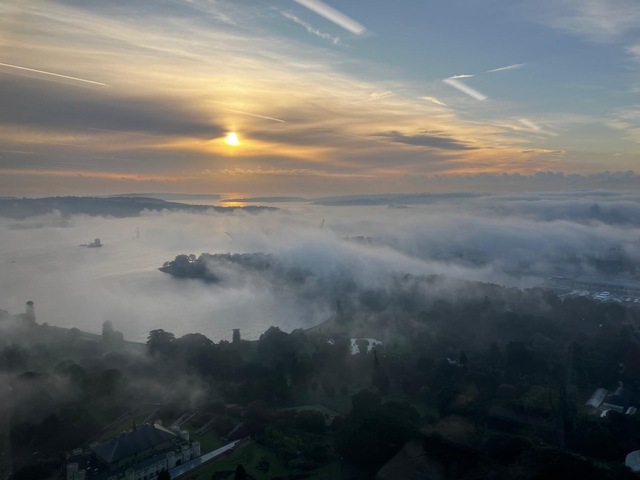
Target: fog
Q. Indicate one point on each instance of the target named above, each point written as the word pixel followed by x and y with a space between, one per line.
pixel 509 240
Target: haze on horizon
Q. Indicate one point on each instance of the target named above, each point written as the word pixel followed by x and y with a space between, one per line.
pixel 272 98
pixel 514 240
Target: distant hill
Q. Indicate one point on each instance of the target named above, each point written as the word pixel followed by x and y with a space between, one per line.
pixel 393 199
pixel 19 208
pixel 171 196
pixel 266 199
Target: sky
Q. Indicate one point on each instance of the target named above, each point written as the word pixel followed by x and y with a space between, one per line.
pixel 370 97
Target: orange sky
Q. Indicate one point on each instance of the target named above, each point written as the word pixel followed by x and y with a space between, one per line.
pixel 144 98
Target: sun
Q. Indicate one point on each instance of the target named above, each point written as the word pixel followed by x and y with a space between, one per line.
pixel 232 139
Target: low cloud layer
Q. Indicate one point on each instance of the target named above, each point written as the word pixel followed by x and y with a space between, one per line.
pixel 514 240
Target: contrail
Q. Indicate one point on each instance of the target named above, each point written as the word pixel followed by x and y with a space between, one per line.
pixel 255 115
pixel 54 74
pixel 508 67
pixel 465 89
pixel 530 124
pixel 333 15
pixel 433 100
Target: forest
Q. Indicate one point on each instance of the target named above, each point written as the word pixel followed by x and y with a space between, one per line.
pixel 498 378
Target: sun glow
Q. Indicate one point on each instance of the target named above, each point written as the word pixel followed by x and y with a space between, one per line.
pixel 232 139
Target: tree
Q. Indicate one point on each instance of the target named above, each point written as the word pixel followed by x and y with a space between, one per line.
pixel 373 437
pixel 197 350
pixel 380 379
pixel 463 360
pixel 107 328
pixel 328 387
pixel 164 475
pixel 241 473
pixel 310 421
pixel 274 346
pixel 109 381
pixel 495 357
pixel 340 317
pixel 14 358
pixel 543 463
pixel 364 401
pixel 363 346
pixel 160 341
pixel 110 336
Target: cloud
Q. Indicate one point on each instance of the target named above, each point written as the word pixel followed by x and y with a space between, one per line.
pixel 508 67
pixel 626 120
pixel 379 95
pixel 542 181
pixel 458 85
pixel 298 172
pixel 333 15
pixel 541 151
pixel 511 239
pixel 635 52
pixel 180 75
pixel 60 108
pixel 310 29
pixel 328 122
pixel 256 115
pixel 598 20
pixel 434 100
pixel 427 140
pixel 529 124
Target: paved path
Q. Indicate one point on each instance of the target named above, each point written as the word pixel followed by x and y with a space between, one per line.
pixel 201 460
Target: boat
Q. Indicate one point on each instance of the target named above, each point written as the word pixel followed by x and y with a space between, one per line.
pixel 95 244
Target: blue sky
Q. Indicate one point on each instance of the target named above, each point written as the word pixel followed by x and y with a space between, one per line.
pixel 140 97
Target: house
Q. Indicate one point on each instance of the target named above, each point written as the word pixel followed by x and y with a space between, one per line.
pixel 139 454
pixel 596 399
pixel 410 463
pixel 619 400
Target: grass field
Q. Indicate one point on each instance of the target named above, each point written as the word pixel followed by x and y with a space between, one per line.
pixel 249 456
pixel 209 440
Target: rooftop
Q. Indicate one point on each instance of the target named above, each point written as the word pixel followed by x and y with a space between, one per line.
pixel 137 440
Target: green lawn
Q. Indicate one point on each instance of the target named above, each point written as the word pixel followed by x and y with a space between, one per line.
pixel 339 403
pixel 323 409
pixel 249 456
pixel 422 407
pixel 329 471
pixel 209 441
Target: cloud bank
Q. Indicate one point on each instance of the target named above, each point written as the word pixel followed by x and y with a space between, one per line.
pixel 514 240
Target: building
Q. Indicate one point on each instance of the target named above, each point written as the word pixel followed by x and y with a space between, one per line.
pixel 596 399
pixel 139 454
pixel 619 401
pixel 411 463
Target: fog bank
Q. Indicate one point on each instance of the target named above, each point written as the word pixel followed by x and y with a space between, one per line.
pixel 510 240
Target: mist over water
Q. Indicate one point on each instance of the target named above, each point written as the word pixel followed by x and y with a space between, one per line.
pixel 514 241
